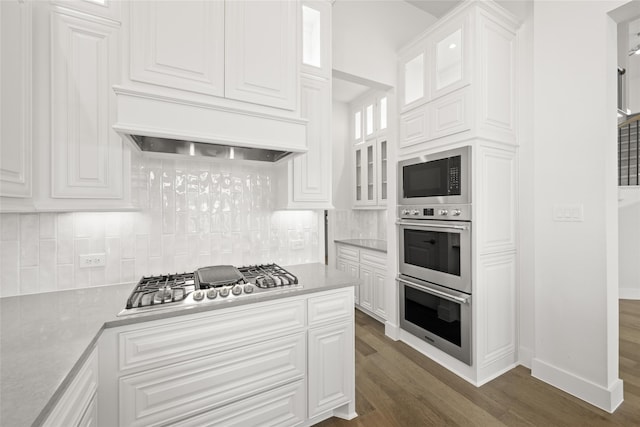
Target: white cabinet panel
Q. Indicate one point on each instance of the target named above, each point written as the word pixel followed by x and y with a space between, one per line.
pixel 178 44
pixel 496 200
pixel 495 305
pixel 330 308
pixel 284 406
pixel 90 417
pixel 77 404
pixel 15 99
pixel 379 293
pixel 312 171
pixel 105 8
pixel 449 114
pixel 167 394
pixel 413 79
pixel 366 287
pixel 87 155
pixel 497 78
pixel 183 340
pixel 330 367
pixel 352 269
pixel 414 127
pixel 261 61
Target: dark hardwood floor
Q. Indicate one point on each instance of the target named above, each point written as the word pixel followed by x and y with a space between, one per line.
pixel 397 386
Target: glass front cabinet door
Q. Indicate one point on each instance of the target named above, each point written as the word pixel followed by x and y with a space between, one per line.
pixel 365 174
pixel 449 49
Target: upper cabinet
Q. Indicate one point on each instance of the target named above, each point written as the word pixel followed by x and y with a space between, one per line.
pixel 15 102
pixel 261 52
pixel 305 181
pixel 234 50
pixel 457 79
pixel 369 129
pixel 178 45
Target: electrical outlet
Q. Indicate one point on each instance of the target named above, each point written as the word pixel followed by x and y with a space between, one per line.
pixel 568 213
pixel 296 244
pixel 92 260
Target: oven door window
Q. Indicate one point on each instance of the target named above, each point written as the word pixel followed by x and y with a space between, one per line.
pixel 433 250
pixel 437 315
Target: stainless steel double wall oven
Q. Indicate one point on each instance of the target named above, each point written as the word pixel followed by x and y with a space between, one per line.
pixel 434 223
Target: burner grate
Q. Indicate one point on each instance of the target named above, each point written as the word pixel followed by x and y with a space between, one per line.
pixel 148 290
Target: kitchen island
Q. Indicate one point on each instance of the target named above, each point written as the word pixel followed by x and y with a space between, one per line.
pixel 45 339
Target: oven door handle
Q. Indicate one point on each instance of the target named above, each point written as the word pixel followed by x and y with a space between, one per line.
pixel 420 225
pixel 454 298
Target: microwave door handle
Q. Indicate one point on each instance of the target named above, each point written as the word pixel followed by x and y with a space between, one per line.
pixel 454 298
pixel 419 225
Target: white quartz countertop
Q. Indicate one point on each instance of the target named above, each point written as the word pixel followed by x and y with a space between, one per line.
pixel 374 244
pixel 44 338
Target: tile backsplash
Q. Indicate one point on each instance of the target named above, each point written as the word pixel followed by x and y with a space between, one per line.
pixel 359 224
pixel 199 213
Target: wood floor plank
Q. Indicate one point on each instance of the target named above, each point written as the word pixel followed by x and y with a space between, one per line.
pixel 396 386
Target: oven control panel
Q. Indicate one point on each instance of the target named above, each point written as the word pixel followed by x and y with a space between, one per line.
pixel 439 212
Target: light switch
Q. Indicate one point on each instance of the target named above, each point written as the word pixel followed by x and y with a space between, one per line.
pixel 568 213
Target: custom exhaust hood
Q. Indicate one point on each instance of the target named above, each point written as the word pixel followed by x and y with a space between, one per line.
pixel 156 123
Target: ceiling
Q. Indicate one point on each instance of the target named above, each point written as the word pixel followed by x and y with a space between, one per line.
pixel 346 91
pixel 437 8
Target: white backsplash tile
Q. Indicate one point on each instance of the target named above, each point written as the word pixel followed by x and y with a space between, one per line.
pixel 196 213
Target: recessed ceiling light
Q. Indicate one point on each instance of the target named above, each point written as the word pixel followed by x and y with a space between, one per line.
pixel 453 46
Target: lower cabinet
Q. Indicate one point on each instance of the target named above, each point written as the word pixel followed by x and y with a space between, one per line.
pixel 371 268
pixel 77 406
pixel 275 363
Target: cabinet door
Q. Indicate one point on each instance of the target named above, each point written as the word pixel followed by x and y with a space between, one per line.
pixel 283 406
pixel 414 127
pixel 382 114
pixel 331 367
pixel 353 270
pixel 169 393
pixel 15 102
pixel 382 171
pixel 87 154
pixel 357 126
pixel 413 81
pixel 261 61
pixel 316 38
pixel 366 287
pixel 449 50
pixel 379 294
pixel 178 44
pixel 312 171
pixel 365 175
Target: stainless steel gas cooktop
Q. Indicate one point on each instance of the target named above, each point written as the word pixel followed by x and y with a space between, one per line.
pixel 206 285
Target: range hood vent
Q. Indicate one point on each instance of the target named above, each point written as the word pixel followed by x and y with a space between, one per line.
pixel 204 149
pixel 155 122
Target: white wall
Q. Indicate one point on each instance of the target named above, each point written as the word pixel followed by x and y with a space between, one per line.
pixel 367 34
pixel 576 269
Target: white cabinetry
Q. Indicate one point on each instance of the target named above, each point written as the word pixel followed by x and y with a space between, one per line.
pixel 178 45
pixel 369 124
pixel 457 80
pixel 86 153
pixel 231 366
pixel 15 104
pixel 305 181
pixel 371 267
pixel 261 52
pixel 77 406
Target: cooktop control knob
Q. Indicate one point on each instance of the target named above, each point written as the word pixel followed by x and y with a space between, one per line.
pixel 405 211
pixel 212 293
pixel 224 292
pixel 237 290
pixel 198 295
pixel 248 288
pixel 457 212
pixel 415 212
pixel 444 212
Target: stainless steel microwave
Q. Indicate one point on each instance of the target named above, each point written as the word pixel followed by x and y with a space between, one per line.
pixel 440 178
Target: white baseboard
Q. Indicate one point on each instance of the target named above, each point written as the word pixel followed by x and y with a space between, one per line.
pixel 525 356
pixel 629 293
pixel 607 399
pixel 391 330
